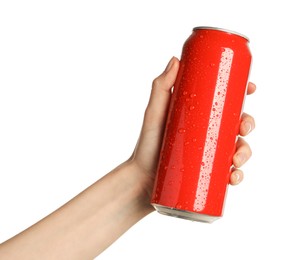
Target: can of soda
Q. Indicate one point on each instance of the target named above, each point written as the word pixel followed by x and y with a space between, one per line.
pixel 202 125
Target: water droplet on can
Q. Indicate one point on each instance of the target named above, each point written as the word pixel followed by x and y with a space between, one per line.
pixel 178 206
pixel 181 130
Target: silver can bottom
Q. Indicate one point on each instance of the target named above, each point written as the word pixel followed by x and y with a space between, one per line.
pixel 178 213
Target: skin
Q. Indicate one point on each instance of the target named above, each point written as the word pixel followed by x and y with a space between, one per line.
pixel 94 219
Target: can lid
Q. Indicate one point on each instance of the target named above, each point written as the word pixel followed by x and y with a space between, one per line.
pixel 220 29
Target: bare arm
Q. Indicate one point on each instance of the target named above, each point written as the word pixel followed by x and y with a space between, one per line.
pixel 87 224
pixel 93 220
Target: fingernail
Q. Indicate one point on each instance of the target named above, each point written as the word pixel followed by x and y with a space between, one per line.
pixel 169 65
pixel 248 127
pixel 241 158
pixel 237 178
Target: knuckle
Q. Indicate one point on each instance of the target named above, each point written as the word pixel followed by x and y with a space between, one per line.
pixel 156 82
pixel 250 151
pixel 249 118
pixel 247 150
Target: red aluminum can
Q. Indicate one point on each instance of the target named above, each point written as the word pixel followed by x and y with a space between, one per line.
pixel 202 125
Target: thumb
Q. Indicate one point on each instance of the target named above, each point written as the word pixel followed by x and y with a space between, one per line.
pixel 160 95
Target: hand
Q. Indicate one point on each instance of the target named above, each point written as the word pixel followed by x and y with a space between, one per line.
pixel 243 150
pixel 146 153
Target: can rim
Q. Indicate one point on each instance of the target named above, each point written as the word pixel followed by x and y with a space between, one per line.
pixel 221 29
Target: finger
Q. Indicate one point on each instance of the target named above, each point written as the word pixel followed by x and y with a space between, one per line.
pixel 160 94
pixel 242 154
pixel 236 176
pixel 247 124
pixel 251 88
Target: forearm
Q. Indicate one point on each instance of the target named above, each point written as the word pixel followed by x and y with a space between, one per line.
pixel 86 225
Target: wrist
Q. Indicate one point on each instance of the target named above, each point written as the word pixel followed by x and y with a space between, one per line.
pixel 139 183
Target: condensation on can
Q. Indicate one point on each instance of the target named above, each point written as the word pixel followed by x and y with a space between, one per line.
pixel 202 125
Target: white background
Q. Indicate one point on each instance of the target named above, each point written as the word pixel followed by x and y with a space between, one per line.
pixel 75 78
